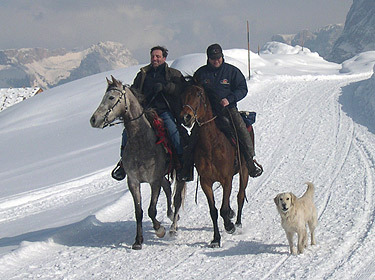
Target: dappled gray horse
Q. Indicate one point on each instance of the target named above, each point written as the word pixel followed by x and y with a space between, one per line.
pixel 143 159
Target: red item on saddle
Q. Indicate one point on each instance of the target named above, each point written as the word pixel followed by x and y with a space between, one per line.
pixel 161 134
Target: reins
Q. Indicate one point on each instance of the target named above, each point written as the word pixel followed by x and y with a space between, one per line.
pixel 122 95
pixel 195 112
pixel 237 146
pixel 123 91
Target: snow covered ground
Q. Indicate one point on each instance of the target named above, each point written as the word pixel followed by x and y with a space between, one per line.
pixel 63 217
pixel 11 96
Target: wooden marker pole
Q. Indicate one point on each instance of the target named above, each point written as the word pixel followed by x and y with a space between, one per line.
pixel 248 47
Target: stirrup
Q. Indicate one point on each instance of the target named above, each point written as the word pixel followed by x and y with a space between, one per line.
pixel 118 173
pixel 183 176
pixel 257 171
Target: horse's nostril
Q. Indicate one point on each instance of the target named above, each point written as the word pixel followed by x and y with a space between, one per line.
pixel 92 120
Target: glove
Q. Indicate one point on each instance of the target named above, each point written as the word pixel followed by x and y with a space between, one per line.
pixel 158 87
pixel 170 88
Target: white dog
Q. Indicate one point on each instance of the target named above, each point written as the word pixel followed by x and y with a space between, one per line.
pixel 295 214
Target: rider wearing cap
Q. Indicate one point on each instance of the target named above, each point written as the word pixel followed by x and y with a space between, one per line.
pixel 226 85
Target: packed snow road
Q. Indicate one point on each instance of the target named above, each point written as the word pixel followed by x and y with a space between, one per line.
pixel 302 134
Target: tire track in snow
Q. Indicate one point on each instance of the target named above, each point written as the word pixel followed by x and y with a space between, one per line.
pixel 340 150
pixel 361 236
pixel 337 158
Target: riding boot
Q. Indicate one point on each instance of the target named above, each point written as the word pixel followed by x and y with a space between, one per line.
pixel 245 141
pixel 185 172
pixel 118 172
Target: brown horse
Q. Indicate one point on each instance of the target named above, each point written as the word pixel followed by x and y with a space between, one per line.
pixel 215 159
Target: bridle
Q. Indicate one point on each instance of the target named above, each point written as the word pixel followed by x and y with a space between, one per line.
pixel 122 96
pixel 195 111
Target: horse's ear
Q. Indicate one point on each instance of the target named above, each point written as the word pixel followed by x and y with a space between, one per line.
pixel 108 81
pixel 195 80
pixel 116 82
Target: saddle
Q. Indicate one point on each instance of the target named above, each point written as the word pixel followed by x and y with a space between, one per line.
pixel 157 124
pixel 224 124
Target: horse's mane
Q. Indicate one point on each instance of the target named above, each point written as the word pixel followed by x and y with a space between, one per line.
pixel 209 93
pixel 140 97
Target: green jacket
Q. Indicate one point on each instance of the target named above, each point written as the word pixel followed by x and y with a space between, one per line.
pixel 172 94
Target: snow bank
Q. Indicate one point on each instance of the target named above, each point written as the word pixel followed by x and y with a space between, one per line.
pixel 362 62
pixel 280 48
pixel 365 94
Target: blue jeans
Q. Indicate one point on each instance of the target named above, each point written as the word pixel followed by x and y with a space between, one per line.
pixel 171 127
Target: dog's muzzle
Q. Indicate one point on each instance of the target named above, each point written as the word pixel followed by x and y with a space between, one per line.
pixel 284 208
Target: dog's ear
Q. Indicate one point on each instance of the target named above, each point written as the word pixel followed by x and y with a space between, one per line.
pixel 276 200
pixel 293 198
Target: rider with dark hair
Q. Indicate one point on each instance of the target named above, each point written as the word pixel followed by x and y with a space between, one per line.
pixel 160 87
pixel 226 85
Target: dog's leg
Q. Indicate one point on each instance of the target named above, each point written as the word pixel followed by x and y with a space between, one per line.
pixel 312 225
pixel 289 235
pixel 302 240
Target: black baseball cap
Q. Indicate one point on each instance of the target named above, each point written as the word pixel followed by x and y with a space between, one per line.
pixel 214 51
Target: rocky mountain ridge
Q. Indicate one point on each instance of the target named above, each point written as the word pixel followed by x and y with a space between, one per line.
pixel 338 42
pixel 359 32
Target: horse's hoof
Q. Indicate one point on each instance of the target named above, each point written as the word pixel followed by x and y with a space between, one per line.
pixel 238 225
pixel 230 229
pixel 137 246
pixel 160 232
pixel 172 233
pixel 215 244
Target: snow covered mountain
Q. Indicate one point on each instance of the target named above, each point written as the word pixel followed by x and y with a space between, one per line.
pixel 38 67
pixel 358 34
pixel 320 41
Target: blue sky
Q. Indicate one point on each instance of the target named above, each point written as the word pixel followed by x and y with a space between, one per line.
pixel 181 26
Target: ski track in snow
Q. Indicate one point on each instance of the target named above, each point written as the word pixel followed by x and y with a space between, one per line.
pixel 312 140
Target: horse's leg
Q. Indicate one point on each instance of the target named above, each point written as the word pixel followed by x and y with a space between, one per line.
pixel 168 193
pixel 136 193
pixel 244 178
pixel 177 202
pixel 155 192
pixel 225 208
pixel 207 189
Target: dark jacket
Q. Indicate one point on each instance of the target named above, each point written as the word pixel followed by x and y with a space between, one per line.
pixel 226 81
pixel 170 97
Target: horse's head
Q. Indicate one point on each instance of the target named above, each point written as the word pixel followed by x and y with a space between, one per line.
pixel 113 105
pixel 194 105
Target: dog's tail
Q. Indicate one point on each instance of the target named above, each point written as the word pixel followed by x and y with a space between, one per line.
pixel 310 190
